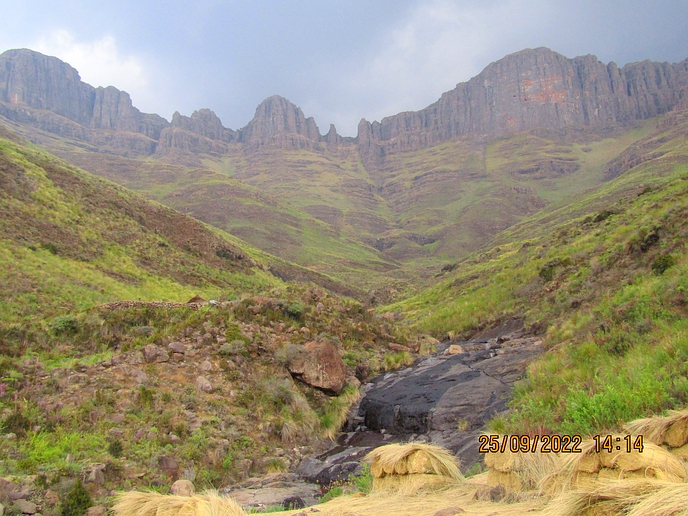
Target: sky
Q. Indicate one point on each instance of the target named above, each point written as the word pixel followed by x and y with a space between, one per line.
pixel 338 60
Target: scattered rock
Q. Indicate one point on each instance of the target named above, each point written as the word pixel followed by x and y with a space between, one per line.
pixel 96 474
pixel 153 353
pixel 206 366
pixel 168 466
pixel 26 507
pixel 449 511
pixel 135 359
pixel 144 330
pixel 454 349
pixel 51 497
pixel 353 381
pixel 319 365
pixel 189 474
pixel 398 347
pixel 96 510
pixel 286 491
pixel 203 384
pixel 183 488
pixel 335 468
pixel 293 502
pixel 177 347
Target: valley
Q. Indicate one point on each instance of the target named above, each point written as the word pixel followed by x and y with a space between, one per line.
pixel 180 300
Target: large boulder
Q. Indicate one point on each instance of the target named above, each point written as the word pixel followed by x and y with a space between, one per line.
pixel 319 365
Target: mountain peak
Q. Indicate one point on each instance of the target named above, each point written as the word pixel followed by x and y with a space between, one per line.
pixel 279 121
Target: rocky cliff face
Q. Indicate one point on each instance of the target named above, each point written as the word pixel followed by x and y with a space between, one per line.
pixel 113 110
pixel 30 79
pixel 43 82
pixel 535 88
pixel 201 132
pixel 280 123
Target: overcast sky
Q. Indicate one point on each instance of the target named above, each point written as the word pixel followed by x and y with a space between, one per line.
pixel 339 60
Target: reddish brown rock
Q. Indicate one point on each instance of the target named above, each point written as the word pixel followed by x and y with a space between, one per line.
pixel 97 510
pixel 152 353
pixel 319 365
pixel 182 487
pixel 204 384
pixel 449 511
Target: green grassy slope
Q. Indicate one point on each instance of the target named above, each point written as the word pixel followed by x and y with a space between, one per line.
pixel 70 240
pixel 394 224
pixel 604 278
pixel 76 385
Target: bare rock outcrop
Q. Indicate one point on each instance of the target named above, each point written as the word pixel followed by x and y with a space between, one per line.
pixel 319 365
pixel 201 132
pixel 31 79
pixel 449 397
pixel 534 88
pixel 44 82
pixel 112 109
pixel 279 123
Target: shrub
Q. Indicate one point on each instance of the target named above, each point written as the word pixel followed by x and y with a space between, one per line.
pixel 275 465
pixel 397 360
pixel 228 461
pixel 76 502
pixel 64 325
pixel 145 398
pixel 661 264
pixel 115 448
pixel 16 423
pixel 294 311
pixel 236 347
pixel 364 482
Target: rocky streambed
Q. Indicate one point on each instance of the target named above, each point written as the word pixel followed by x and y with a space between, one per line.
pixel 446 398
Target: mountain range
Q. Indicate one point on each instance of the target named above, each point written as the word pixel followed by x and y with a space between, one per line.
pixel 407 195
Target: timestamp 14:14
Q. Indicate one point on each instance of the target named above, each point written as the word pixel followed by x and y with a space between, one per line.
pixel 622 443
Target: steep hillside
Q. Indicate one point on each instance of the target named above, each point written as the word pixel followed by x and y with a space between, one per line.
pixel 70 240
pixel 604 279
pixel 109 371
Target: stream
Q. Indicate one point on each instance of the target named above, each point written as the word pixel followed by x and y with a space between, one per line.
pixel 445 399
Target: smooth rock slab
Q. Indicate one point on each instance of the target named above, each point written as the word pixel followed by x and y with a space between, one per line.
pixel 449 398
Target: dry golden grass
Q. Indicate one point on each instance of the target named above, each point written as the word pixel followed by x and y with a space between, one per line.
pixel 135 503
pixel 671 429
pixel 413 459
pixel 640 497
pixel 414 484
pixel 425 503
pixel 521 471
pixel 581 470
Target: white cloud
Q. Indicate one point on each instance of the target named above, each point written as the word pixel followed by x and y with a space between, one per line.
pixel 99 62
pixel 441 43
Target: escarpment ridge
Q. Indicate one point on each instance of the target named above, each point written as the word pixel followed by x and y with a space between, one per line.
pixel 533 88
